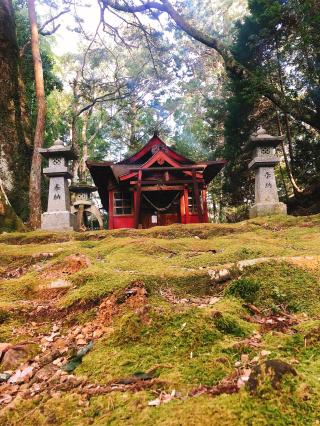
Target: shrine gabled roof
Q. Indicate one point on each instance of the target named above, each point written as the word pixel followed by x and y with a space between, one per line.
pixel 154 145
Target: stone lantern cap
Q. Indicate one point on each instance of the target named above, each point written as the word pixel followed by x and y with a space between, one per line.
pixel 261 137
pixel 82 187
pixel 264 146
pixel 58 149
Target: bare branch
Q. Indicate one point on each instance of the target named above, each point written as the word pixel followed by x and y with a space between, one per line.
pixel 45 33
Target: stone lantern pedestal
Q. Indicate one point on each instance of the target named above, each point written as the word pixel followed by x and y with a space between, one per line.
pixel 83 205
pixel 58 216
pixel 266 192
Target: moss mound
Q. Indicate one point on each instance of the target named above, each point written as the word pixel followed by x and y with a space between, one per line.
pixel 166 329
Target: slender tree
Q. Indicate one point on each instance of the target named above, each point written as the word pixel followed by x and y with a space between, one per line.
pixel 35 173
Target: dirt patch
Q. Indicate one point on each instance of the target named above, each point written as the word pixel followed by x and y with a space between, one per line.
pixel 28 238
pixel 200 302
pixel 306 262
pixel 70 265
pixel 134 298
pixel 21 265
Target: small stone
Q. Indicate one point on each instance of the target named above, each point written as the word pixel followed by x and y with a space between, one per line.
pixel 57 284
pixel 213 300
pixel 97 333
pixel 265 353
pixel 244 358
pixel 238 364
pixel 21 376
pixel 5 399
pixel 81 342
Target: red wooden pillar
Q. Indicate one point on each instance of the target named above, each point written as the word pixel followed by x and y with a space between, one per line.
pixel 197 196
pixel 137 204
pixel 111 226
pixel 182 208
pixel 186 203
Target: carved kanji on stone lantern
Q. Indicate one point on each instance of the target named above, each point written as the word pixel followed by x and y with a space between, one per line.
pixel 265 158
pixel 58 216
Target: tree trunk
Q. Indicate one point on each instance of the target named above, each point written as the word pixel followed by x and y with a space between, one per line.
pixel 14 155
pixel 84 153
pixel 74 130
pixel 35 174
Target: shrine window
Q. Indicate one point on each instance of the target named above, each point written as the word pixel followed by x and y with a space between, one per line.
pixel 192 204
pixel 122 203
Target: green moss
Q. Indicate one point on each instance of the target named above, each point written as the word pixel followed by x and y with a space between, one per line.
pixel 184 345
pixel 244 288
pixel 229 325
pixel 280 285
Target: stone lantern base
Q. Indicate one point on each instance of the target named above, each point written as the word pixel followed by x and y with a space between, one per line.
pixel 58 221
pixel 267 209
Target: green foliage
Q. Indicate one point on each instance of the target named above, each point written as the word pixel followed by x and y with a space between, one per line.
pixel 244 288
pixel 274 42
pixel 4 316
pixel 227 324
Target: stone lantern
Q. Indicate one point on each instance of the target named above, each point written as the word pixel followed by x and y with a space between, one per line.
pixel 264 159
pixel 83 204
pixel 58 216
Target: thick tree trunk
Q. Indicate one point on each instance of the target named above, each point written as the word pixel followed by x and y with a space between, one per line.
pixel 14 155
pixel 35 174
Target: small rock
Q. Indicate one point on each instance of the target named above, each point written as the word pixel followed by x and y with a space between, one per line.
pixel 57 284
pixel 265 353
pixel 21 376
pixel 272 368
pixel 97 333
pixel 238 364
pixel 5 399
pixel 219 276
pixel 213 300
pixel 244 358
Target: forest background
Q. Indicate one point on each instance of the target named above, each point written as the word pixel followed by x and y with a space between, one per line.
pixel 104 75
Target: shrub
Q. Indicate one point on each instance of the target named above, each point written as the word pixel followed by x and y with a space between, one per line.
pixel 228 325
pixel 244 288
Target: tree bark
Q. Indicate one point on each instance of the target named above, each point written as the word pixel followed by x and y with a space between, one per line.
pixel 14 155
pixel 35 173
pixel 292 106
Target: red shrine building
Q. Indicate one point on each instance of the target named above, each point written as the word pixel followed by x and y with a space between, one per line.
pixel 155 186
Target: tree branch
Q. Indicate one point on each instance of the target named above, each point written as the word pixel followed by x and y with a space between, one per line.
pixel 291 106
pixel 45 33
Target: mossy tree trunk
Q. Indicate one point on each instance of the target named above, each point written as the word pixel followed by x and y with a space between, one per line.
pixel 14 154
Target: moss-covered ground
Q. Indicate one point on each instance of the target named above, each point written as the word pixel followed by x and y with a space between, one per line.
pixel 189 331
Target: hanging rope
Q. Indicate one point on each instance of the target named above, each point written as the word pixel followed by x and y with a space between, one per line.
pixel 161 209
